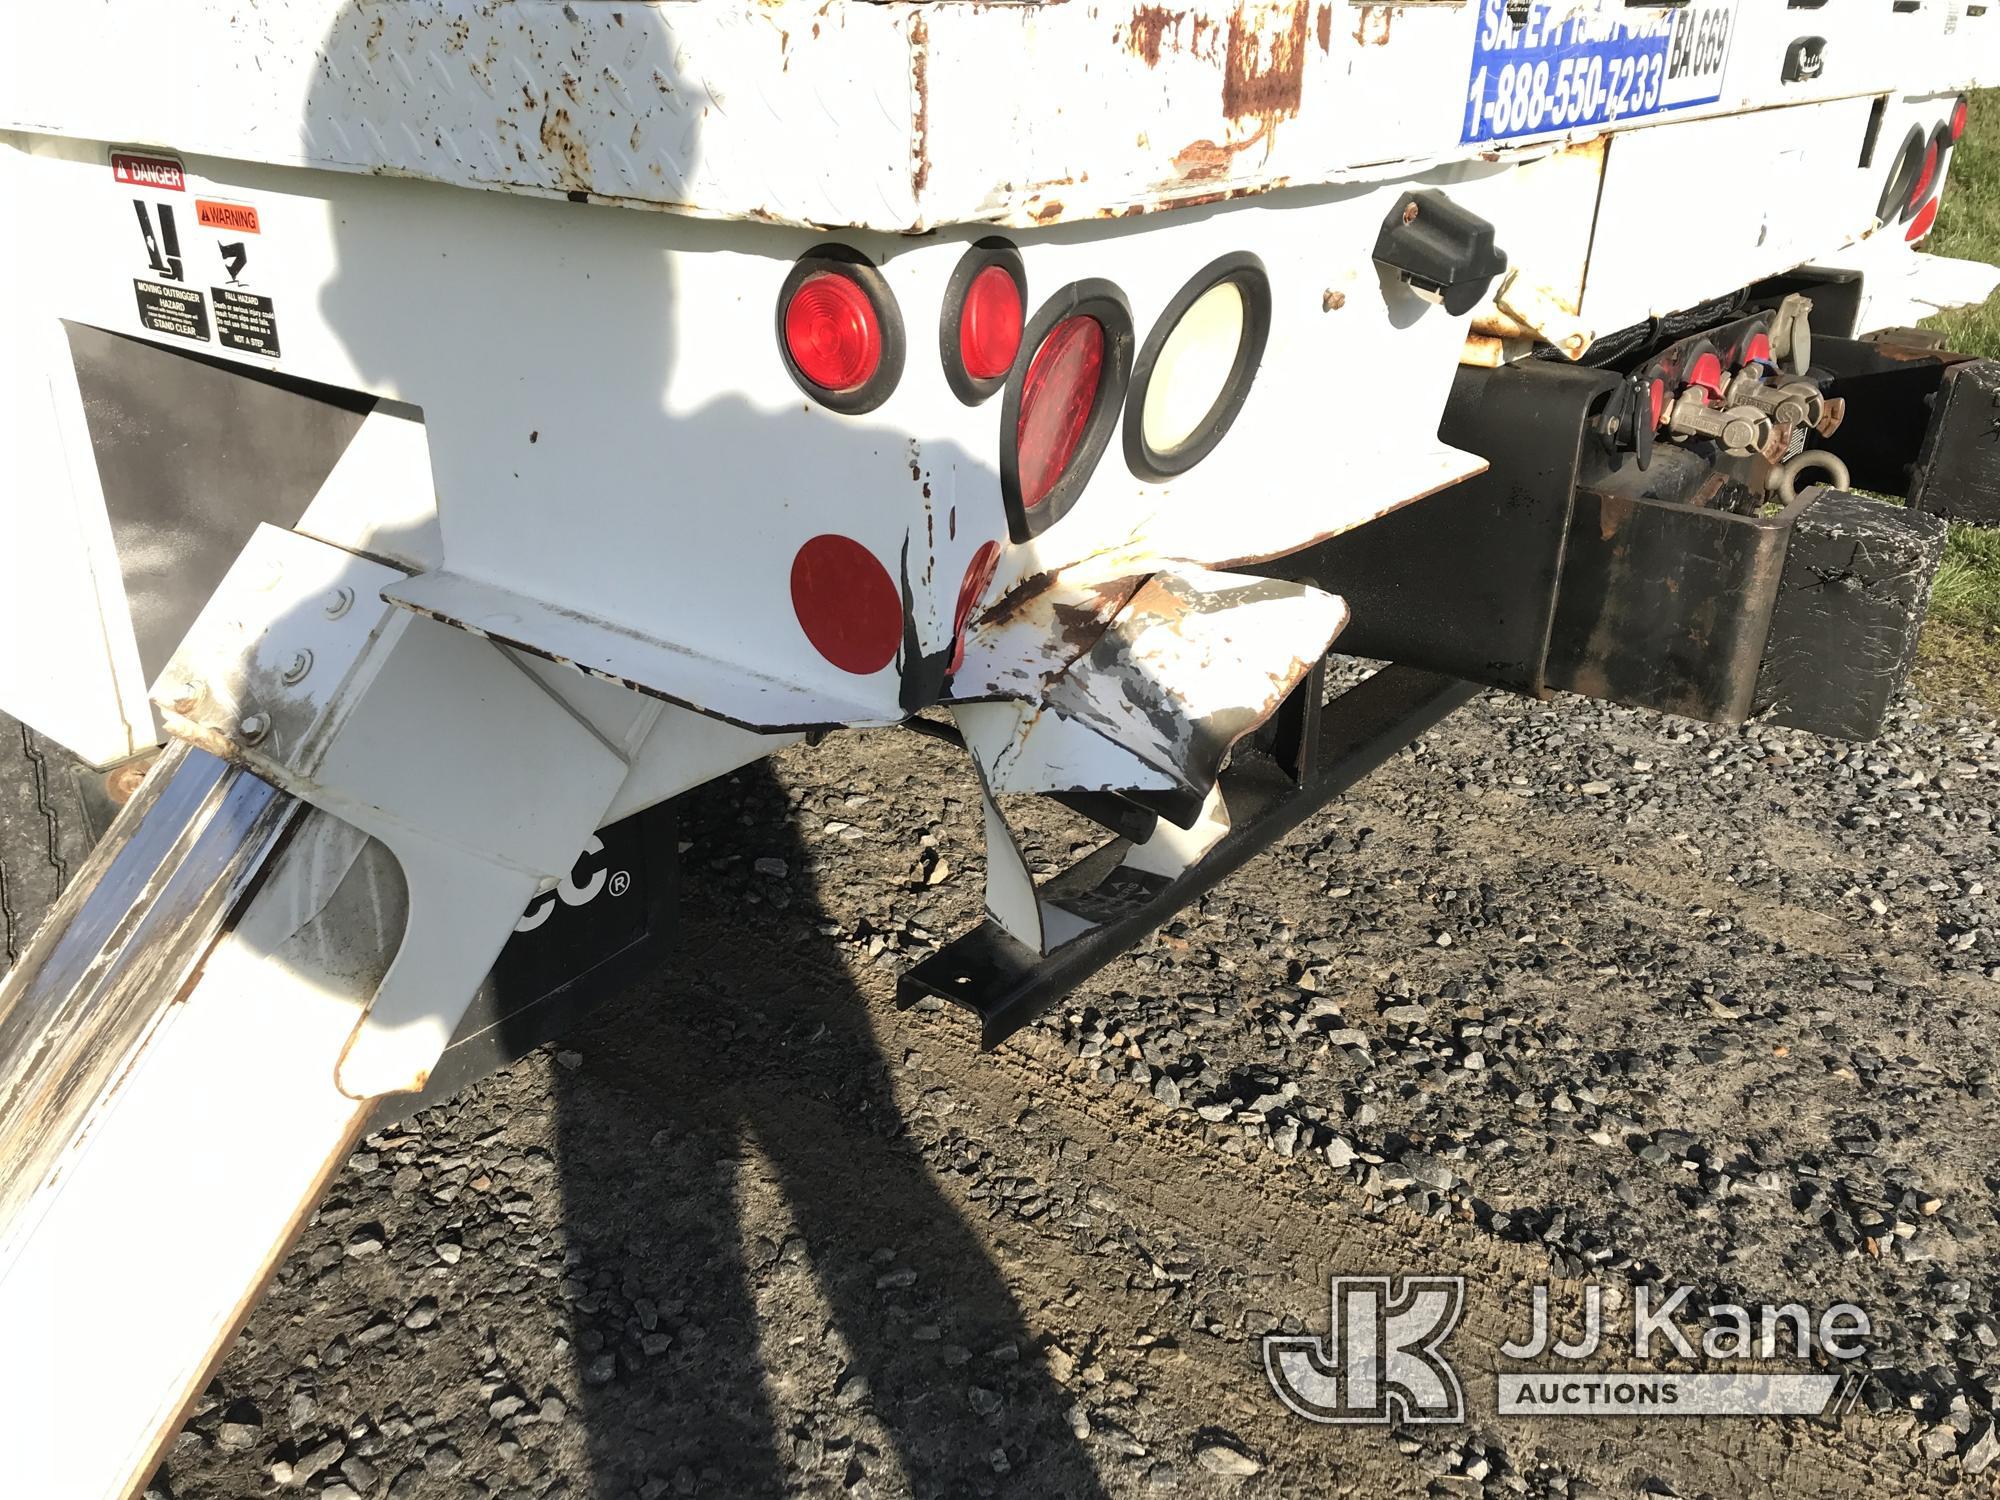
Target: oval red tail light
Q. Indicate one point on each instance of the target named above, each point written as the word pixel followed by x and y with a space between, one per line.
pixel 989 325
pixel 1959 113
pixel 1926 175
pixel 1057 398
pixel 1921 226
pixel 832 333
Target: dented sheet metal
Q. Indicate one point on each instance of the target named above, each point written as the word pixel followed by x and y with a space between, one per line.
pixel 1172 667
pixel 1136 683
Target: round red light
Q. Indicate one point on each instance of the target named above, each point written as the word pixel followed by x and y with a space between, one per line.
pixel 989 324
pixel 832 332
pixel 847 604
pixel 1058 395
pixel 978 574
pixel 1959 112
pixel 1926 175
pixel 1926 217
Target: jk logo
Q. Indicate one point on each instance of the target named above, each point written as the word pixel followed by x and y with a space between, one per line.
pixel 1380 1359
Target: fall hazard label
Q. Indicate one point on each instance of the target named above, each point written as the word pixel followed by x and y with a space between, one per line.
pixel 148 171
pixel 239 217
pixel 179 310
pixel 246 321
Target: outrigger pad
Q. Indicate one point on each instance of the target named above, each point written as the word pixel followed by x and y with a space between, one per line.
pixel 1852 599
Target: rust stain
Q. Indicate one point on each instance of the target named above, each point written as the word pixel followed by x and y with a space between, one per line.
pixel 1264 66
pixel 1151 25
pixel 920 108
pixel 1324 21
pixel 561 139
pixel 1049 210
pixel 1371 27
pixel 1205 161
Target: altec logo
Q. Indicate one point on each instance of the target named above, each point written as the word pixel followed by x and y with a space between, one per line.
pixel 148 171
pixel 596 881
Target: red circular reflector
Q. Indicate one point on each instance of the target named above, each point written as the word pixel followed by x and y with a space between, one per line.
pixel 832 333
pixel 1926 217
pixel 846 603
pixel 1926 175
pixel 1958 117
pixel 1057 397
pixel 978 573
pixel 989 324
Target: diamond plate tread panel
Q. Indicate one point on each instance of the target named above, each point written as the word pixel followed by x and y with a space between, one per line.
pixel 890 116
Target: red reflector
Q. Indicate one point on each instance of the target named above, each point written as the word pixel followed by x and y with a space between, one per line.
pixel 1959 112
pixel 989 325
pixel 978 573
pixel 1057 396
pixel 1926 175
pixel 1921 225
pixel 846 603
pixel 832 333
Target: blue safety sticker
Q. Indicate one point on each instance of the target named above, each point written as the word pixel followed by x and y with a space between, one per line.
pixel 1555 65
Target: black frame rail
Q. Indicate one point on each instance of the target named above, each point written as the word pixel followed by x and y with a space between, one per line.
pixel 1315 754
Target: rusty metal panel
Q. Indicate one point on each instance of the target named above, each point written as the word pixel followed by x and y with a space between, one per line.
pixel 900 116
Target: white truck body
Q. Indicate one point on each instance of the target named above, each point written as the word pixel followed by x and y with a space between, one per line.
pixel 539 249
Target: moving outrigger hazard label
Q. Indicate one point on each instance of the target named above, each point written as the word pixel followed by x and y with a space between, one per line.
pixel 179 310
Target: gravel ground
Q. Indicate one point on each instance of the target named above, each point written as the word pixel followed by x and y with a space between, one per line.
pixel 1563 990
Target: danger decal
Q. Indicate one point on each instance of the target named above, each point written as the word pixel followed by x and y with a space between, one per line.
pixel 162 172
pixel 182 248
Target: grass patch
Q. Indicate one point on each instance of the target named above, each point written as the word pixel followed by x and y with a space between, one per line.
pixel 1960 651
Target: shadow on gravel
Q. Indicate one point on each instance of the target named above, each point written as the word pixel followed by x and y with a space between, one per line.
pixel 770 1293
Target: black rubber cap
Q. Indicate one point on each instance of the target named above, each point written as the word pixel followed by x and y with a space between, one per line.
pixel 1440 248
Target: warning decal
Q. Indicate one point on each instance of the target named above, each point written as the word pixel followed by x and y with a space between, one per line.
pixel 241 217
pixel 179 310
pixel 148 171
pixel 245 321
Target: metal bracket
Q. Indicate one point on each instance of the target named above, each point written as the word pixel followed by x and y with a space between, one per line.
pixel 481 781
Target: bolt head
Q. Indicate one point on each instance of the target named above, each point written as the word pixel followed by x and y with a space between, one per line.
pixel 338 602
pixel 253 727
pixel 298 666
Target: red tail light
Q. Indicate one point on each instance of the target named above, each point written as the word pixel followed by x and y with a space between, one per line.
pixel 1063 396
pixel 1926 175
pixel 1926 217
pixel 1057 399
pixel 1959 111
pixel 989 324
pixel 832 333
